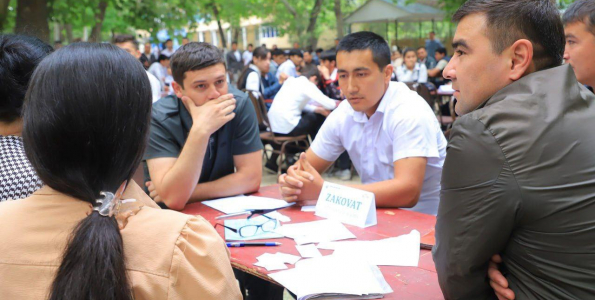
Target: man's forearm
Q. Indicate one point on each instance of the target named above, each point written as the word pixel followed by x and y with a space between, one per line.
pixel 233 184
pixel 392 193
pixel 180 181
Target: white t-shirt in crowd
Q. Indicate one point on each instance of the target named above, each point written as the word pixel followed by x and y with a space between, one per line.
pixel 441 64
pixel 247 57
pixel 158 71
pixel 168 52
pixel 288 67
pixel 286 111
pixel 155 87
pixel 402 126
pixel 419 74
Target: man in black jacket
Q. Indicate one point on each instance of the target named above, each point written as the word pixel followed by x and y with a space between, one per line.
pixel 518 176
pixel 234 62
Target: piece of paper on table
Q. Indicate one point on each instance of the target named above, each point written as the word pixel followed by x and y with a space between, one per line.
pixel 309 208
pixel 307 251
pixel 397 251
pixel 279 216
pixel 260 235
pixel 316 232
pixel 333 275
pixel 276 261
pixel 242 203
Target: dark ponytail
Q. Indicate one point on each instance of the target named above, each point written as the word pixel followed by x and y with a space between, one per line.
pixel 259 52
pixel 86 117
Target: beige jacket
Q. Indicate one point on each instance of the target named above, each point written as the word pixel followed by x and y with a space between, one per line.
pixel 169 255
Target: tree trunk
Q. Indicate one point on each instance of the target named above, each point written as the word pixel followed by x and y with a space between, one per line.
pixel 68 28
pixel 99 17
pixel 221 33
pixel 32 19
pixel 3 13
pixel 339 17
pixel 312 24
pixel 235 34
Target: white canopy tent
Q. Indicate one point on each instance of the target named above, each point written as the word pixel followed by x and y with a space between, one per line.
pixel 384 11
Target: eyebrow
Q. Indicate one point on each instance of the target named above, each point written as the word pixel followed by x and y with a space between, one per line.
pixel 356 69
pixel 460 43
pixel 570 35
pixel 203 81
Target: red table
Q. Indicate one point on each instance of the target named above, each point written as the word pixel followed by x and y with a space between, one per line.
pixel 407 282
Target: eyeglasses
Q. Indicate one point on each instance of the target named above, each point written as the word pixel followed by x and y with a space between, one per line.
pixel 251 230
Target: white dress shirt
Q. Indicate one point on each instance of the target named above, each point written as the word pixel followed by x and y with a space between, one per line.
pixel 247 56
pixel 168 52
pixel 237 55
pixel 158 71
pixel 402 126
pixel 286 111
pixel 155 86
pixel 288 67
pixel 419 73
pixel 253 81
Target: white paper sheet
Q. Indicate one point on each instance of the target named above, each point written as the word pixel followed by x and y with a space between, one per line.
pixel 241 203
pixel 398 251
pixel 309 208
pixel 276 261
pixel 330 274
pixel 307 251
pixel 316 232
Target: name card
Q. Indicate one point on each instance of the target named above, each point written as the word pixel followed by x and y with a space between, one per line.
pixel 346 205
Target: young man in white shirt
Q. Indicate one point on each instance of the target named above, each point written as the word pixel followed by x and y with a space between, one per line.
pixel 390 133
pixel 130 45
pixel 247 56
pixel 289 66
pixel 299 108
pixel 159 68
pixel 436 73
pixel 169 48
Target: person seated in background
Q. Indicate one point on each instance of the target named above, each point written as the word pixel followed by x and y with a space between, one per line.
pixel 19 57
pixel 423 58
pixel 204 140
pixel 328 72
pixel 396 57
pixel 168 49
pixel 308 58
pixel 316 55
pixel 254 75
pixel 159 68
pixel 289 67
pixel 292 115
pixel 435 74
pixel 145 56
pixel 247 55
pixel 278 57
pixel 130 45
pixel 72 235
pixel 411 71
pixel 391 134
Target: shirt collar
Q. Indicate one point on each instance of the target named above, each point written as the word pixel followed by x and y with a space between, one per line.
pixel 255 69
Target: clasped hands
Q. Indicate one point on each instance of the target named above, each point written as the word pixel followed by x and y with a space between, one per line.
pixel 302 183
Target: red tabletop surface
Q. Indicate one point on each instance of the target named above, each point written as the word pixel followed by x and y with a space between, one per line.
pixel 407 282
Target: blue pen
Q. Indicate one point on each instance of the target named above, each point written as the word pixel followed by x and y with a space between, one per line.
pixel 242 244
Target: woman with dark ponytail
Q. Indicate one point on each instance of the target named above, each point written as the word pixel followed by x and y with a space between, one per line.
pixel 86 118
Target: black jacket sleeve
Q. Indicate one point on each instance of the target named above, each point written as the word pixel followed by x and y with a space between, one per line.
pixel 476 216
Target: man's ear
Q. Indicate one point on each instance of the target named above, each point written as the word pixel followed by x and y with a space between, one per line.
pixel 178 90
pixel 521 57
pixel 388 72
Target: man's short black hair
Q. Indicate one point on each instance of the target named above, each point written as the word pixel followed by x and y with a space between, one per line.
pixel 311 70
pixel 319 50
pixel 162 57
pixel 168 40
pixel 234 43
pixel 277 52
pixel 422 47
pixel 125 38
pixel 329 55
pixel 441 50
pixel 19 56
pixel 581 11
pixel 297 52
pixel 250 45
pixel 366 40
pixel 194 56
pixel 510 20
